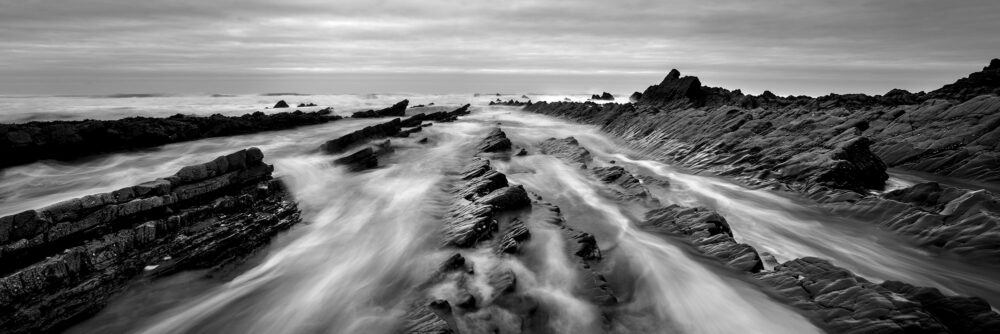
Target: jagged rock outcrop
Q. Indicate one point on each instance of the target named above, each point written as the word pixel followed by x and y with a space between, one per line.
pixel 66 140
pixel 303 105
pixel 979 83
pixel 495 141
pixel 481 195
pixel 515 103
pixel 626 185
pixel 832 297
pixel 567 149
pixel 936 216
pixel 846 303
pixel 635 97
pixel 604 96
pixel 707 231
pixel 280 104
pixel 65 261
pixel 393 128
pixel 953 131
pixel 675 91
pixel 398 109
pixel 378 131
pixel 365 158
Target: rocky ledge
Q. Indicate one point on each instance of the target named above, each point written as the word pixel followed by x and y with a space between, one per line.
pixel 832 297
pixel 962 221
pixel 952 131
pixel 67 140
pixel 398 109
pixel 64 262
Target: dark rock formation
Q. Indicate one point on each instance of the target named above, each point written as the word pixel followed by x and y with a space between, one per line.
pixel 635 97
pixel 378 131
pixel 833 297
pixel 846 303
pixel 362 159
pixel 675 91
pixel 441 116
pixel 983 82
pixel 707 231
pixel 495 141
pixel 936 216
pixel 66 140
pixel 515 103
pixel 515 236
pixel 627 186
pixel 567 149
pixel 64 262
pixel 280 104
pixel 605 96
pixel 398 109
pixel 303 105
pixel 952 131
pixel 481 195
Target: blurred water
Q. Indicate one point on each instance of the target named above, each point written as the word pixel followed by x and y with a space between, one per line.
pixel 372 237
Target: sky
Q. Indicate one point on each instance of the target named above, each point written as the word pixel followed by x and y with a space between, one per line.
pixel 512 46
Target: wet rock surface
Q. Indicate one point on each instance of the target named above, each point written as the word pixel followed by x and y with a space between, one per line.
pixel 398 109
pixel 393 128
pixel 707 231
pixel 67 140
pixel 567 149
pixel 495 141
pixel 833 297
pixel 965 222
pixel 66 261
pixel 626 185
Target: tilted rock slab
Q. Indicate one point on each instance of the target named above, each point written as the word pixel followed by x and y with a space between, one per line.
pixel 66 261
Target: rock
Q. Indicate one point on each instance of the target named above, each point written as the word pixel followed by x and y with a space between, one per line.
pixel 626 186
pixel 67 140
pixel 605 96
pixel 674 90
pixel 567 149
pixel 398 109
pixel 495 141
pixel 218 214
pixel 844 302
pixel 511 241
pixel 707 231
pixel 521 152
pixel 378 131
pixel 280 104
pixel 422 140
pixel 362 159
pixel 635 97
pixel 303 105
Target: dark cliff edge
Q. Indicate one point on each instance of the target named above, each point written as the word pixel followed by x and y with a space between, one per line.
pixel 67 140
pixel 64 262
pixel 835 148
pixel 832 297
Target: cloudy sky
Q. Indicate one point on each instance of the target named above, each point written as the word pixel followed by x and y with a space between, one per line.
pixel 442 46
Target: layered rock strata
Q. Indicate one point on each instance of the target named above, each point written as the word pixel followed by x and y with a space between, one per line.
pixel 833 297
pixel 64 262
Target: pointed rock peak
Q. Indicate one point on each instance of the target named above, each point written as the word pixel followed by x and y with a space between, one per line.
pixel 994 64
pixel 673 75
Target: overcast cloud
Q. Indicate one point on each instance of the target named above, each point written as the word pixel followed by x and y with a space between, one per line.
pixel 789 47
